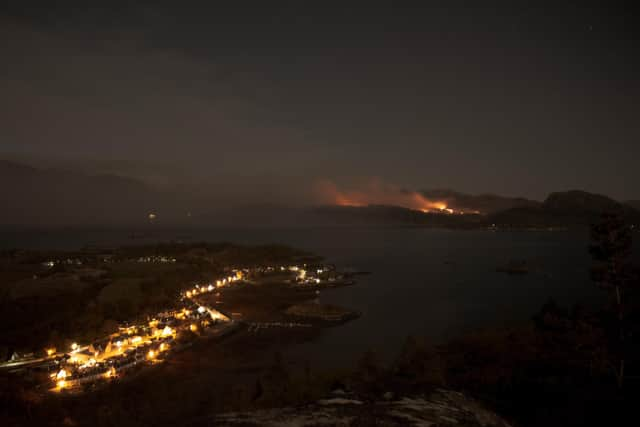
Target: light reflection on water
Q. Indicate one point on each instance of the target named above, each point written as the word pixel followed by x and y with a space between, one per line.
pixel 431 283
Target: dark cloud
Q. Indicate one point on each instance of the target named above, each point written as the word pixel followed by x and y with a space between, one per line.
pixel 262 101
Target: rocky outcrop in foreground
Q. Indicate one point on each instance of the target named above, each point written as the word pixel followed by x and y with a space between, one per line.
pixel 440 408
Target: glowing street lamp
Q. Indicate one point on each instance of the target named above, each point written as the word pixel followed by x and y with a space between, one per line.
pixel 110 373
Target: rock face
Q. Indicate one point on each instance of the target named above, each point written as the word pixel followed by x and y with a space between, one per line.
pixel 440 408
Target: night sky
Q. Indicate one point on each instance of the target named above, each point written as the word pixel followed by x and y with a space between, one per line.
pixel 259 102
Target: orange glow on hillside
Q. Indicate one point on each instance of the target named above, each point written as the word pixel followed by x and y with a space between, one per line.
pixel 376 192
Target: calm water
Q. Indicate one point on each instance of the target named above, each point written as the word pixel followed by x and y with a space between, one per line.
pixel 432 283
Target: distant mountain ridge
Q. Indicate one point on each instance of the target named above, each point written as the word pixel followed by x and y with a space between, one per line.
pixel 564 209
pixel 43 198
pixel 482 203
pixel 389 215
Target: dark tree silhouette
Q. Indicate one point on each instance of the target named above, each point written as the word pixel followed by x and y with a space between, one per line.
pixel 610 250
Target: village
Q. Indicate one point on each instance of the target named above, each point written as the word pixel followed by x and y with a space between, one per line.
pixel 200 313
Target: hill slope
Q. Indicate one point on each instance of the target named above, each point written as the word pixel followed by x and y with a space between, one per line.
pixel 483 203
pixel 564 209
pixel 38 197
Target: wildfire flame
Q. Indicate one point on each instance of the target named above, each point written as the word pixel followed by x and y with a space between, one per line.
pixel 376 192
